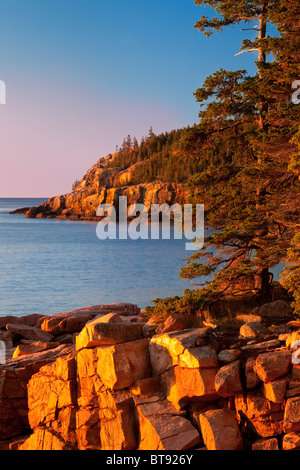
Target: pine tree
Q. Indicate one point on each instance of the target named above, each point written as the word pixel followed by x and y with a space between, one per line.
pixel 128 143
pixel 150 133
pixel 248 195
pixel 135 144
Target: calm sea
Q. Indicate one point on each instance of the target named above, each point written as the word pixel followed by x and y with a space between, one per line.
pixel 49 266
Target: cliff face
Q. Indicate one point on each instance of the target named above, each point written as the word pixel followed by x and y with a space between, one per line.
pixel 104 186
pixel 103 378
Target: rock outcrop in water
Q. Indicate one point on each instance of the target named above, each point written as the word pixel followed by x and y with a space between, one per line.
pixel 105 378
pixel 104 186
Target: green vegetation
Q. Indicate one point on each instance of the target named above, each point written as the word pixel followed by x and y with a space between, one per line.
pixel 75 184
pixel 246 148
pixel 160 158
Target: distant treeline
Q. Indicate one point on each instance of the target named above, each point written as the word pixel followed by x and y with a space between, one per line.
pixel 167 157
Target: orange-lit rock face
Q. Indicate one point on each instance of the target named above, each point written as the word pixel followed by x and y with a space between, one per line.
pixel 161 428
pixel 121 365
pixel 51 391
pixel 264 417
pixel 292 415
pixel 97 333
pixel 105 186
pixel 120 390
pixel 182 386
pixel 228 380
pixel 187 371
pixel 220 430
pixel 270 366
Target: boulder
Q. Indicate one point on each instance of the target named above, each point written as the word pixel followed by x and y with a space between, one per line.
pixel 280 329
pixel 12 320
pixel 74 320
pixel 252 378
pixel 182 386
pixel 23 349
pixel 146 387
pixel 261 346
pixel 181 347
pixel 228 380
pixel 229 355
pixel 33 319
pixel 279 309
pixel 187 371
pixel 220 431
pixel 162 428
pixel 259 414
pixel 105 419
pixel 51 390
pixel 292 415
pixel 254 330
pixel 203 357
pixel 30 320
pixel 293 388
pixel 270 366
pixel 97 333
pixel 29 332
pixel 291 441
pixel 174 322
pixel 109 318
pixel 124 308
pixel 275 391
pixel 89 387
pixel 58 326
pixel 119 366
pixel 266 444
pixel 15 375
pixel 118 426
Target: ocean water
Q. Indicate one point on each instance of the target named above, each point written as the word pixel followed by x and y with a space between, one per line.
pixel 49 266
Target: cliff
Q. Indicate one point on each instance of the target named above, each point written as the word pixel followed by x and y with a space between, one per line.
pixel 103 185
pixel 105 378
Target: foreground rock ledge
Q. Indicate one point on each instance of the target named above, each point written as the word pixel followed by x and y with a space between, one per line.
pixel 99 378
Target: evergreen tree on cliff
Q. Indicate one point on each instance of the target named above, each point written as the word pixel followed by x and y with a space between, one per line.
pixel 252 197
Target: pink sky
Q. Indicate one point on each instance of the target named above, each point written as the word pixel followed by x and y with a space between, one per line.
pixel 82 75
pixel 52 135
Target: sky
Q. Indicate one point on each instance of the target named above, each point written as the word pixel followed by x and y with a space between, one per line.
pixel 81 75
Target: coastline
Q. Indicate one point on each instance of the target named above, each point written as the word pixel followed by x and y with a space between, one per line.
pixel 169 386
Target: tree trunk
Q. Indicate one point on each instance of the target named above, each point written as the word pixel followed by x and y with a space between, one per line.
pixel 263 107
pixel 262 281
pixel 263 286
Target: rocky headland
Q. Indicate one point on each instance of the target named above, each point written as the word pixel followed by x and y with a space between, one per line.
pixel 102 185
pixel 108 378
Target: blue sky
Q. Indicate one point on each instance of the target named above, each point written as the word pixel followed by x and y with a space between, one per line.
pixel 83 74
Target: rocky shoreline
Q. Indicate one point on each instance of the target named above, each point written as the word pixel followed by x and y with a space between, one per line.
pixel 107 378
pixel 103 185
